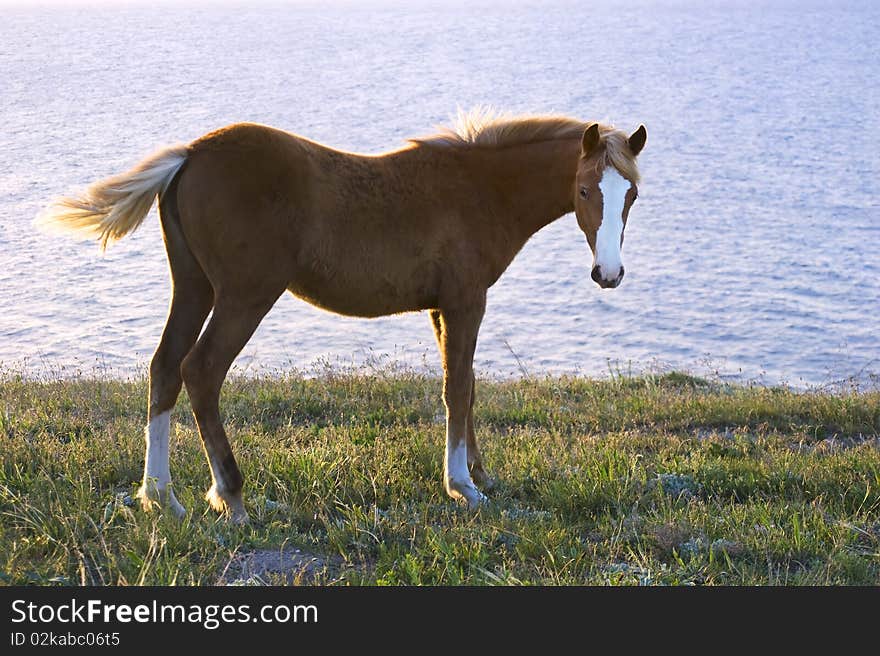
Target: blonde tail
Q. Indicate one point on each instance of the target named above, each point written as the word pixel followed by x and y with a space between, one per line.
pixel 111 208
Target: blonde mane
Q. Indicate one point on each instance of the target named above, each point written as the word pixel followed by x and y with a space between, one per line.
pixel 483 126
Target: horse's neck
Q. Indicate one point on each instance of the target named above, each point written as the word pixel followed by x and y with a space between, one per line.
pixel 531 185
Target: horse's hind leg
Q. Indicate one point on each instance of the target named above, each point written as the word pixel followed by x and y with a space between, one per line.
pixel 204 369
pixel 475 460
pixel 191 302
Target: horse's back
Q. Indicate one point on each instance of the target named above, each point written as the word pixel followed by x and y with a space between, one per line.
pixel 259 204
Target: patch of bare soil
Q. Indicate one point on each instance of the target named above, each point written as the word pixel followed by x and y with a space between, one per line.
pixel 262 566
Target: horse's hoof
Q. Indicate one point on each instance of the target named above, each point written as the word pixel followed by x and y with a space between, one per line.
pixel 239 518
pixel 153 498
pixel 483 479
pixel 232 508
pixel 469 493
pixel 176 509
pixel 478 501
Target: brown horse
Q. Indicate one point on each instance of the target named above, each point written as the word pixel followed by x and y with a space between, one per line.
pixel 249 211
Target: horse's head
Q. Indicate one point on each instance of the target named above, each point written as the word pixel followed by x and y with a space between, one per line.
pixel 605 190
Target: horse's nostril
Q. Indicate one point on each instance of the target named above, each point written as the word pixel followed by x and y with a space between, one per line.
pixel 622 271
pixel 596 275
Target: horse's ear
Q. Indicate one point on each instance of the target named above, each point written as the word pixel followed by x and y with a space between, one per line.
pixel 637 140
pixel 591 140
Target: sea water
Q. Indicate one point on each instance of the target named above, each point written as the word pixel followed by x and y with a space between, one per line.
pixel 752 252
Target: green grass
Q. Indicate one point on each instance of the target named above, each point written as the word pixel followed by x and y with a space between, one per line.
pixel 650 480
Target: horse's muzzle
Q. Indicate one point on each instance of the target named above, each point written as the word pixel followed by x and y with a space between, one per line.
pixel 602 281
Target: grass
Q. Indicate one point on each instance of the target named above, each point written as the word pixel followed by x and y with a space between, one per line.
pixel 649 480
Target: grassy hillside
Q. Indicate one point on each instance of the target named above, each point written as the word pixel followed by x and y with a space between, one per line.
pixel 655 480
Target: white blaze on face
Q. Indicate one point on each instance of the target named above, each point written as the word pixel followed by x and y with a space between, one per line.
pixel 607 256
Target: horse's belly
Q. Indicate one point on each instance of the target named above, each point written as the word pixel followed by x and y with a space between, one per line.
pixel 368 294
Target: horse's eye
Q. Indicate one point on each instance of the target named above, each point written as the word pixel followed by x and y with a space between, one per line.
pixel 584 193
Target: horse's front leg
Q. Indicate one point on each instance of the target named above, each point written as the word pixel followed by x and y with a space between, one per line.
pixel 461 325
pixel 475 461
